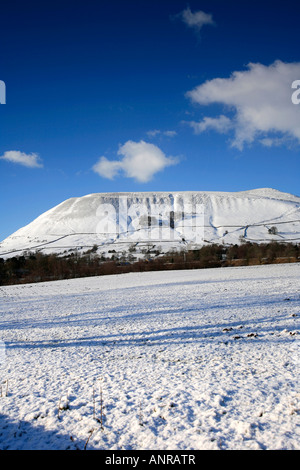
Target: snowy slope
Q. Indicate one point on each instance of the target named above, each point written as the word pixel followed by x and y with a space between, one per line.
pixel 205 359
pixel 179 219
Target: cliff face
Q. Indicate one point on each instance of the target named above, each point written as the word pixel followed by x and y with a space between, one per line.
pixel 115 221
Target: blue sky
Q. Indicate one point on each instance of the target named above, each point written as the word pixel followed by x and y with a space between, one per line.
pixel 111 96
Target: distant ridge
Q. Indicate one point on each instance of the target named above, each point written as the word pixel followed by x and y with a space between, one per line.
pixel 116 222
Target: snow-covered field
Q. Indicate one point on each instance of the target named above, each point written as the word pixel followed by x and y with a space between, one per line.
pixel 204 359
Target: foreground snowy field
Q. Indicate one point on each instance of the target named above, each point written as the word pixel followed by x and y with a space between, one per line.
pixel 205 359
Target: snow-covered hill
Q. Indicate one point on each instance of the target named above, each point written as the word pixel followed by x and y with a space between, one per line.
pixel 162 220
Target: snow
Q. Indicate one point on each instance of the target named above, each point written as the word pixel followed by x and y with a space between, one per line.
pixel 119 220
pixel 184 360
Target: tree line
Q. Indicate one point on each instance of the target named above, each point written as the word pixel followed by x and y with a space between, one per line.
pixel 38 267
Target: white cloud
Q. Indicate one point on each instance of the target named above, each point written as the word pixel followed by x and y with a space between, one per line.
pixel 220 124
pixel 31 160
pixel 153 133
pixel 170 133
pixel 260 98
pixel 197 19
pixel 140 161
pixel 156 132
pixel 284 141
pixel 107 168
